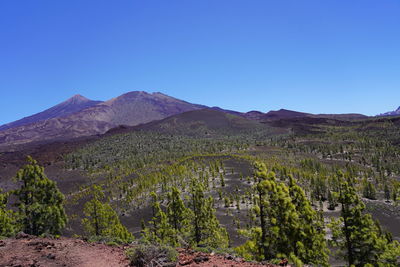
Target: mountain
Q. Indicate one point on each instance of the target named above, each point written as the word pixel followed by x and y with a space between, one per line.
pixel 344 116
pixel 283 114
pixel 138 107
pixel 254 115
pixel 72 105
pixel 391 113
pixel 237 113
pixel 203 122
pixel 130 109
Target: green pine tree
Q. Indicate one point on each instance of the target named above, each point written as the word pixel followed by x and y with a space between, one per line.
pixel 288 226
pixel 101 220
pixel 369 190
pixel 387 192
pixel 332 200
pixel 160 230
pixel 40 203
pixel 359 238
pixel 7 219
pixel 310 235
pixel 177 213
pixel 205 227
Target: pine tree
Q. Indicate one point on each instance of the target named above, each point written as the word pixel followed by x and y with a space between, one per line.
pixel 360 238
pixel 176 211
pixel 7 223
pixel 387 192
pixel 288 226
pixel 160 230
pixel 101 220
pixel 332 200
pixel 369 190
pixel 40 203
pixel 310 235
pixel 205 227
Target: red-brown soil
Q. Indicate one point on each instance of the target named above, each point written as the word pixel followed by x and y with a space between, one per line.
pixel 28 251
pixel 198 259
pixel 46 252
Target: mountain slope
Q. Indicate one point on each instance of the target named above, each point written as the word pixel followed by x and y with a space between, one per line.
pixel 130 109
pixel 391 113
pixel 284 114
pixel 204 122
pixel 134 108
pixel 72 105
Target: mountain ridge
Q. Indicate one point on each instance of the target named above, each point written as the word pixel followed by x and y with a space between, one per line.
pixel 73 104
pixel 391 113
pixel 79 116
pixel 132 108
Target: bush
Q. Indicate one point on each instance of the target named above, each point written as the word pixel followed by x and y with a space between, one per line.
pixel 108 240
pixel 151 255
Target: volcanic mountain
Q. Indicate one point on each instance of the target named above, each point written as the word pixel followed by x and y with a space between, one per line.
pixel 391 113
pixel 72 105
pixel 130 109
pixel 284 114
pixel 204 122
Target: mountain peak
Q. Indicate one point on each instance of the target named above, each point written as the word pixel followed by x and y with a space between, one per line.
pixel 78 98
pixel 71 105
pixel 391 113
pixel 82 117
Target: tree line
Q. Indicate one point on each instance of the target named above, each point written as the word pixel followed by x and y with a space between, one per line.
pixel 286 224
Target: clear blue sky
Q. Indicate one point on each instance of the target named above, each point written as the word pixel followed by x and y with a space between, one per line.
pixel 325 56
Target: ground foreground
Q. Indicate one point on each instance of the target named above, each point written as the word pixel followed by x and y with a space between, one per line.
pixel 27 251
pixel 34 252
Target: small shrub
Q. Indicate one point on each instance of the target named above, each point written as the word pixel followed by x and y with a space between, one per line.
pixel 152 255
pixel 108 240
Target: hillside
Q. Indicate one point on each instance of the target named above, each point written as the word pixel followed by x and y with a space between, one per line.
pixel 391 113
pixel 204 122
pixel 216 150
pixel 71 105
pixel 128 109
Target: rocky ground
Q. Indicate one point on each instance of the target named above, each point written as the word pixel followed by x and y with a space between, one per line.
pixel 28 251
pixel 199 259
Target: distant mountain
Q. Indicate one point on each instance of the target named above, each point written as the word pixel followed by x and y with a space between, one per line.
pixel 79 116
pixel 237 113
pixel 285 114
pixel 130 109
pixel 72 105
pixel 391 113
pixel 203 122
pixel 344 116
pixel 254 115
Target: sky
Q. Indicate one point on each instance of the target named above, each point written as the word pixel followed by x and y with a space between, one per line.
pixel 317 56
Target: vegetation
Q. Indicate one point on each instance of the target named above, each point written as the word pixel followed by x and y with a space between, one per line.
pixel 360 239
pixel 7 220
pixel 128 152
pixel 288 226
pixel 39 202
pixel 199 190
pixel 196 225
pixel 102 221
pixel 152 255
pixel 206 229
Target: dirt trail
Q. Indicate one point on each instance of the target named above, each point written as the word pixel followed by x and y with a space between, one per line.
pixel 35 252
pixel 29 251
pixel 189 258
